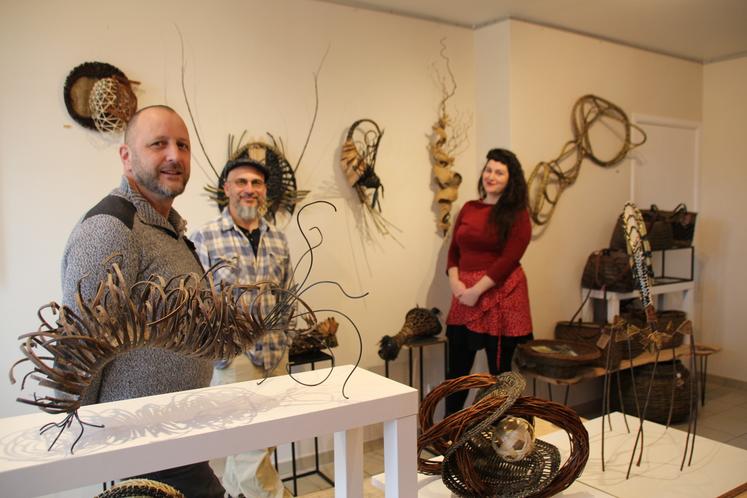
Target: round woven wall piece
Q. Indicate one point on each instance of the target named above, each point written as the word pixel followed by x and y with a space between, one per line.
pixel 282 192
pixel 112 103
pixel 78 85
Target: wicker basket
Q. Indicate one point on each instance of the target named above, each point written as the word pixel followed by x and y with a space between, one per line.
pixel 670 387
pixel 554 358
pixel 141 488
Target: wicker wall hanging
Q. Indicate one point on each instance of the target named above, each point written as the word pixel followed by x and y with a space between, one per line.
pixel 358 163
pixel 548 179
pixel 449 135
pixel 419 323
pixel 472 466
pixel 282 192
pixel 187 314
pixel 99 96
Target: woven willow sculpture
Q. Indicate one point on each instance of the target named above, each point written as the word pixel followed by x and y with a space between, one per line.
pixel 447 137
pixel 640 262
pixel 463 438
pixel 282 192
pixel 548 179
pixel 419 323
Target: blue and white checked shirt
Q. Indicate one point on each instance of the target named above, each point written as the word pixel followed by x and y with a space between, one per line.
pixel 221 240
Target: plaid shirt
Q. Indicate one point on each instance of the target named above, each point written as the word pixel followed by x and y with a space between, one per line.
pixel 221 240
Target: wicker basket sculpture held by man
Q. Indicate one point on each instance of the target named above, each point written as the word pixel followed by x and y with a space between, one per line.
pixel 490 298
pixel 254 252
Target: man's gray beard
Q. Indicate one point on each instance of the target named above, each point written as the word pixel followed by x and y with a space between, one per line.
pixel 246 213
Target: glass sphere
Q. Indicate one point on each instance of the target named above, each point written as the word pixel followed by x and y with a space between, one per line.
pixel 513 438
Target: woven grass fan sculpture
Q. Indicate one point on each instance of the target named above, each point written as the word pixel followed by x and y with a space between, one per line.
pixel 187 314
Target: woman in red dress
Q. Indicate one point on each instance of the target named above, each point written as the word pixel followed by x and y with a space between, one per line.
pixel 490 299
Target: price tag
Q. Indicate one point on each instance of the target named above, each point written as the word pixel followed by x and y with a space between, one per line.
pixel 603 340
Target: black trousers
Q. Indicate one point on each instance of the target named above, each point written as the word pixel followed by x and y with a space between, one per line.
pixel 194 481
pixel 464 344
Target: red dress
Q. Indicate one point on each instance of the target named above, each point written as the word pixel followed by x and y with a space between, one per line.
pixel 477 251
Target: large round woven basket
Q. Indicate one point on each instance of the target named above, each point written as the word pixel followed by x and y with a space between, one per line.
pixel 132 488
pixel 474 475
pixel 670 390
pixel 556 358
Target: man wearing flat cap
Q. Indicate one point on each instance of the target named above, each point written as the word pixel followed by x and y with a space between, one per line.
pixel 254 252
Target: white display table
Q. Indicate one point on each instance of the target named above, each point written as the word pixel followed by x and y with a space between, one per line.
pixel 716 469
pixel 158 432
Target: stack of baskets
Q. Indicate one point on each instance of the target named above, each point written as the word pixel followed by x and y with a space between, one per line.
pixel 670 390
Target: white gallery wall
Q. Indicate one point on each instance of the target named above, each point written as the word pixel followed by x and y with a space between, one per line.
pixel 248 66
pixel 550 70
pixel 721 233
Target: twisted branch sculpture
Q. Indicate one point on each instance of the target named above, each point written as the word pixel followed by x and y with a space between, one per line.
pixel 548 180
pixel 443 149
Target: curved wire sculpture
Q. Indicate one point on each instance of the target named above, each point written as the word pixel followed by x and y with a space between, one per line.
pixel 639 252
pixel 548 179
pixel 187 314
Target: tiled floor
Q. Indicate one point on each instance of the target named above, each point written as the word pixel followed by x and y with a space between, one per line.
pixel 723 418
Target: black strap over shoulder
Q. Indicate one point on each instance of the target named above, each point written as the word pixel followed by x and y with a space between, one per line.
pixel 116 206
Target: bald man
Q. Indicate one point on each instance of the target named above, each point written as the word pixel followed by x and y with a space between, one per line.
pixel 136 226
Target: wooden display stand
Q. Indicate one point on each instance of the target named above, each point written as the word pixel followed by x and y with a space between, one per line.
pixel 702 352
pixel 158 432
pixel 419 344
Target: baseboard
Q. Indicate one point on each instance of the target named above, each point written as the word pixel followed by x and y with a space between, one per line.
pixel 727 382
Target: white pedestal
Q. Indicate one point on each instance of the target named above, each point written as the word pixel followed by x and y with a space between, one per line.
pixel 158 432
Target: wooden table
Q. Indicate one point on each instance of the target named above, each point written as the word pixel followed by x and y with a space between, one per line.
pixel 702 352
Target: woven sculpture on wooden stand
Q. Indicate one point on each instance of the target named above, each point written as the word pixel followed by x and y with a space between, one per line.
pixel 419 323
pixel 469 469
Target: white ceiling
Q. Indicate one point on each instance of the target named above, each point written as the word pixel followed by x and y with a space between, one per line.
pixel 697 30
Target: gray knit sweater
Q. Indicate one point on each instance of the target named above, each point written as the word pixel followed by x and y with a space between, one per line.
pixel 125 224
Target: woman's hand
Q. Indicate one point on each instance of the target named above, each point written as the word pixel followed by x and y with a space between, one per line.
pixel 470 296
pixel 457 287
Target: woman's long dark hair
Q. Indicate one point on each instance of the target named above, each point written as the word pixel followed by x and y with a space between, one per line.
pixel 513 198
